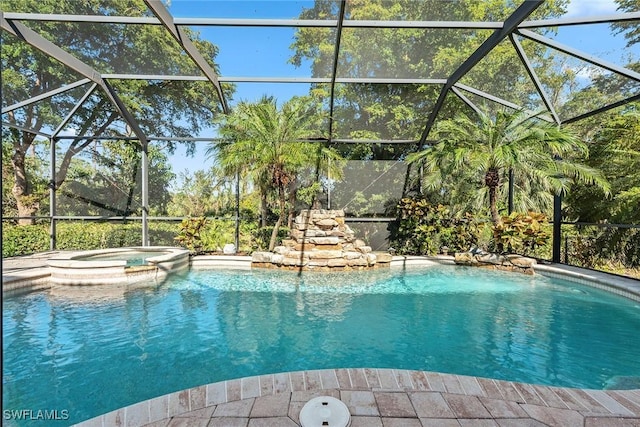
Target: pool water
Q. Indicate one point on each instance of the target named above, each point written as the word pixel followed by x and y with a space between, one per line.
pixel 133 258
pixel 92 357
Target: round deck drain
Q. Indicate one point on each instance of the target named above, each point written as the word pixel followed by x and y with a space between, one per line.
pixel 325 411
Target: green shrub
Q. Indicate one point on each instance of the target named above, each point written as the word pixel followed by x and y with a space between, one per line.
pixel 96 235
pixel 163 233
pixel 521 233
pixel 24 239
pixel 425 229
pixel 218 233
pixel 86 235
pixel 190 235
pixel 29 239
pixel 262 237
pixel 596 247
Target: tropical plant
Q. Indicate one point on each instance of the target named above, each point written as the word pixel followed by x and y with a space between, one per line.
pixel 541 155
pixel 190 235
pixel 615 150
pixel 519 232
pixel 423 228
pixel 267 144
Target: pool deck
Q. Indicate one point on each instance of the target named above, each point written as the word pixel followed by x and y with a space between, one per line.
pixel 374 397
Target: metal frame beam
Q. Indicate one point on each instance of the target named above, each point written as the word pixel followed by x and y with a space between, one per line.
pixel 25 129
pixel 73 110
pixel 534 77
pixel 276 79
pixel 37 41
pixel 598 19
pixel 488 96
pixel 45 95
pixel 348 23
pixel 510 24
pixel 466 100
pixel 603 109
pixel 181 37
pixel 579 54
pixel 235 22
pixel 334 67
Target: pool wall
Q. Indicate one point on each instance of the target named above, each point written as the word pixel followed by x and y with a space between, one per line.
pixel 619 285
pixel 75 269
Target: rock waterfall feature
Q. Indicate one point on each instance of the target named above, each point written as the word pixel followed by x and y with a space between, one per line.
pixel 320 240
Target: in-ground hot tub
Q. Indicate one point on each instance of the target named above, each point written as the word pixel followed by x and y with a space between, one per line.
pixel 117 266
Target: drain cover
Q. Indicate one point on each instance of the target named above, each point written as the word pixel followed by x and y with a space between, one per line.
pixel 325 411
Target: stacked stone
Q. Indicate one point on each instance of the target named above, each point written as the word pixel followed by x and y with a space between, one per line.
pixel 320 240
pixel 510 262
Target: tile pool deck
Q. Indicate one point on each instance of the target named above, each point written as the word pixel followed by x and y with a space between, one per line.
pixel 375 397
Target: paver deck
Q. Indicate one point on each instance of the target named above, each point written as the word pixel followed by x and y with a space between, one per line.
pixel 381 398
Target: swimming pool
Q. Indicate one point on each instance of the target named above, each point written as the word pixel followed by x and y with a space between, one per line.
pixel 92 357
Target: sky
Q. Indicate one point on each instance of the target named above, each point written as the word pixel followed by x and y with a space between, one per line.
pixel 249 52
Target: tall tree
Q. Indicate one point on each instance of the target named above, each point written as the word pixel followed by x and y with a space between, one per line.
pixel 267 144
pixel 631 30
pixel 542 156
pixel 615 149
pixel 105 179
pixel 160 107
pixel 399 111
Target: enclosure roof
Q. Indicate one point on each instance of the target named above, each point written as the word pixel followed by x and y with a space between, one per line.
pixel 290 48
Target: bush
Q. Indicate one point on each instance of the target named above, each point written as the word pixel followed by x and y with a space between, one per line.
pixel 521 233
pixel 29 239
pixel 24 239
pixel 85 235
pixel 262 237
pixel 190 235
pixel 218 233
pixel 425 229
pixel 596 247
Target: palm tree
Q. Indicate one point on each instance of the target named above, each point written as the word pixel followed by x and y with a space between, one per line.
pixel 268 145
pixel 540 154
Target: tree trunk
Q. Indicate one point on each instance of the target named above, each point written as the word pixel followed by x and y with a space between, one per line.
pixel 263 209
pixel 292 203
pixel 26 201
pixel 495 217
pixel 492 180
pixel 281 216
pixel 274 234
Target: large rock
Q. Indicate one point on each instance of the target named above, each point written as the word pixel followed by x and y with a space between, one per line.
pixel 261 257
pixel 523 262
pixel 326 224
pixel 324 254
pixel 495 261
pixel 464 258
pixel 383 257
pixel 331 240
pixel 321 240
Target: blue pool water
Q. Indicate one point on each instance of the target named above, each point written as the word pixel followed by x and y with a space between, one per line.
pixel 91 357
pixel 133 257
